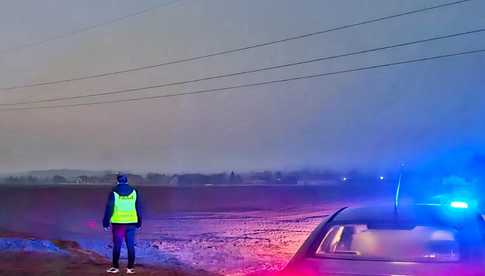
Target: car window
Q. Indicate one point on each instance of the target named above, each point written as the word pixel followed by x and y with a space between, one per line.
pixel 420 243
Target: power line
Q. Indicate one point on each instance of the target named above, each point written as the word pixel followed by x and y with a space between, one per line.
pixel 249 71
pixel 85 29
pixel 229 89
pixel 258 45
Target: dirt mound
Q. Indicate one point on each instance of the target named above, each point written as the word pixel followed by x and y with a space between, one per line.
pixel 37 264
pixel 23 254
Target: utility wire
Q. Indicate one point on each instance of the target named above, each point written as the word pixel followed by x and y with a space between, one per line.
pixel 320 59
pixel 85 29
pixel 225 52
pixel 229 89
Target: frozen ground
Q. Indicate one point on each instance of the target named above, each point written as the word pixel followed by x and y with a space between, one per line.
pixel 198 230
pixel 230 243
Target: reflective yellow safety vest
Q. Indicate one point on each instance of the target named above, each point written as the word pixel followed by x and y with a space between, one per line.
pixel 125 209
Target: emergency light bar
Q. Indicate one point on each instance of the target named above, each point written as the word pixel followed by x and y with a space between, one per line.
pixel 459 204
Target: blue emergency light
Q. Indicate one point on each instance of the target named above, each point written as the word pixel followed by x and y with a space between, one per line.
pixel 459 204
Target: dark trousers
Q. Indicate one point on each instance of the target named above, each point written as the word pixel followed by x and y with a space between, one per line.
pixel 126 232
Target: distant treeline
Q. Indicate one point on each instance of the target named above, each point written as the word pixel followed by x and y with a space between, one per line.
pixel 199 179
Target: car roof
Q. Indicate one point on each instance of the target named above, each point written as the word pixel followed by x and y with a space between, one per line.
pixel 409 215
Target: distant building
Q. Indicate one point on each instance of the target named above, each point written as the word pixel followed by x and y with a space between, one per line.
pixel 174 181
pixel 316 182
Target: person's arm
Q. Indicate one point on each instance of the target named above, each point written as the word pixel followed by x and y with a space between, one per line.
pixel 108 211
pixel 139 209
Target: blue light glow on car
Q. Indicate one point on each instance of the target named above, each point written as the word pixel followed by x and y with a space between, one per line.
pixel 459 204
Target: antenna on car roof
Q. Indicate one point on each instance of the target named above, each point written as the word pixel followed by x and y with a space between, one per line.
pixel 398 189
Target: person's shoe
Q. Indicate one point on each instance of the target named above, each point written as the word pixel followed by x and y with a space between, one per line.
pixel 113 270
pixel 130 271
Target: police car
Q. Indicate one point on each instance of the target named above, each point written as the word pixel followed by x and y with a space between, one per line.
pixel 416 239
pixel 427 239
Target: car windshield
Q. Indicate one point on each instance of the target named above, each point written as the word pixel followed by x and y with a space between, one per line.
pixel 419 243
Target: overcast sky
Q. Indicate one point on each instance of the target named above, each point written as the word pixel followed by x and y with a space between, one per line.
pixel 369 119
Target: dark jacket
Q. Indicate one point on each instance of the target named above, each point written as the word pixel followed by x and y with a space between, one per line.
pixel 123 190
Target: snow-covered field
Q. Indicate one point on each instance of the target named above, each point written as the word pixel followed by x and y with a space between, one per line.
pixel 253 236
pixel 225 242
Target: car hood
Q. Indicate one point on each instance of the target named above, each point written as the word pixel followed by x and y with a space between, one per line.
pixel 317 267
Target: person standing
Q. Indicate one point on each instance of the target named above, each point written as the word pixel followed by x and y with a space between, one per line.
pixel 123 216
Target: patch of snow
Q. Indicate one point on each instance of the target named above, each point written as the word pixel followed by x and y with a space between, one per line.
pixel 29 245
